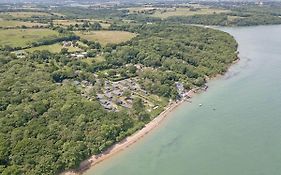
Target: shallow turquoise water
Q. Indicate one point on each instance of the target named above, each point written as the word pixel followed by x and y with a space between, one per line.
pixel 237 131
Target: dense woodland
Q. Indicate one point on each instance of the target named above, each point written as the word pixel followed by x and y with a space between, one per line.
pixel 175 52
pixel 47 126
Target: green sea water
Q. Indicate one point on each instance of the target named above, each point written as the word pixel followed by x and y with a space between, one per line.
pixel 237 131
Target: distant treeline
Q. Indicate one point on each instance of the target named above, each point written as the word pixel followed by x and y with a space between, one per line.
pixel 223 19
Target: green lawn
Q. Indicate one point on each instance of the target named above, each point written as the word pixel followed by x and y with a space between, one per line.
pixel 23 37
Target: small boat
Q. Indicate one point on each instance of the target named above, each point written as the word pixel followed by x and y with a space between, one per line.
pixel 200 105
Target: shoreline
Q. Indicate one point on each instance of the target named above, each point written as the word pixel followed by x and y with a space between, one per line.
pixel 132 139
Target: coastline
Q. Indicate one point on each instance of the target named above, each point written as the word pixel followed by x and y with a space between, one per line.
pixel 130 140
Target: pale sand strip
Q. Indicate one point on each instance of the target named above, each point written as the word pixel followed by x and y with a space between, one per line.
pixel 128 141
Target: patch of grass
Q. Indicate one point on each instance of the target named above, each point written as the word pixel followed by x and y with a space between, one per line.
pixel 168 12
pixel 8 24
pixel 92 60
pixel 99 59
pixel 106 37
pixel 54 48
pixel 23 37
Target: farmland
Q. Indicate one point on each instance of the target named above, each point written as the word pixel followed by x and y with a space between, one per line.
pixel 165 13
pixel 160 12
pixel 23 37
pixel 106 37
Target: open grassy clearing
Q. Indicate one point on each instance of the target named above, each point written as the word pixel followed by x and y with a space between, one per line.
pixel 54 48
pixel 165 13
pixel 9 24
pixel 106 37
pixel 24 14
pixel 23 37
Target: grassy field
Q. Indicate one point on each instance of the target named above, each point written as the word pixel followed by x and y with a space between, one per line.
pixel 23 37
pixel 8 24
pixel 24 14
pixel 165 13
pixel 54 48
pixel 105 37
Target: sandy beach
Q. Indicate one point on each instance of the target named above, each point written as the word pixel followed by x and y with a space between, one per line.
pixel 128 141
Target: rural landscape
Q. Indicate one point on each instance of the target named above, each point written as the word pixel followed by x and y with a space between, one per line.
pixel 76 78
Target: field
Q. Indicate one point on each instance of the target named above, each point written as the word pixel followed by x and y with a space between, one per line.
pixel 106 37
pixel 24 14
pixel 54 48
pixel 9 24
pixel 23 37
pixel 165 13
